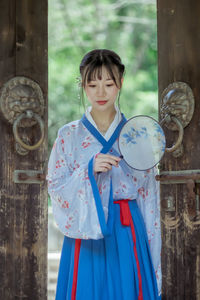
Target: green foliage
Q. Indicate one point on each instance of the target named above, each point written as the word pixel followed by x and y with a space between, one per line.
pixel 76 27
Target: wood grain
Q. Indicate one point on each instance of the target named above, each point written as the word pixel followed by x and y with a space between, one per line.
pixel 23 207
pixel 179 60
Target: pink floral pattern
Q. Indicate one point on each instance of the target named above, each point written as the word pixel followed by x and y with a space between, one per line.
pixel 87 142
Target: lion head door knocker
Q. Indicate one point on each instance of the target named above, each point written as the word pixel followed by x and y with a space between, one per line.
pixel 177 109
pixel 22 104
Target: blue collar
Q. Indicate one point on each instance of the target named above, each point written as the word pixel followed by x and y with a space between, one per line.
pixel 106 228
pixel 106 144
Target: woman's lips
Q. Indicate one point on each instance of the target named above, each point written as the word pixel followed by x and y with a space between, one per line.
pixel 101 102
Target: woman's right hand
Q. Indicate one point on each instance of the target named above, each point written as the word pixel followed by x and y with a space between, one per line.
pixel 104 162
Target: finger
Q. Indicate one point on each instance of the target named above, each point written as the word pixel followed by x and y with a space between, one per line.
pixel 106 165
pixel 108 160
pixel 102 170
pixel 114 157
pixel 103 166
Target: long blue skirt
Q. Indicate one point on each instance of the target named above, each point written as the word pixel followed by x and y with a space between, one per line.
pixel 107 268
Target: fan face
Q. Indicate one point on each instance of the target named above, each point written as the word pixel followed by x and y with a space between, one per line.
pixel 142 142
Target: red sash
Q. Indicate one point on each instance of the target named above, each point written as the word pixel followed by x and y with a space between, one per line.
pixel 126 220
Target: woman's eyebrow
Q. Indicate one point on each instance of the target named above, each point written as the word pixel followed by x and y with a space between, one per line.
pixel 107 79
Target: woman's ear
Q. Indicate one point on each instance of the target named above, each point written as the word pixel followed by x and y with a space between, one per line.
pixel 122 80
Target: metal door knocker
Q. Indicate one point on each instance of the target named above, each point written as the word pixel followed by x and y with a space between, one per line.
pixel 177 108
pixel 22 104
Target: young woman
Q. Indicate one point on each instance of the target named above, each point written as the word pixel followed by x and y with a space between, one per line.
pixel 109 213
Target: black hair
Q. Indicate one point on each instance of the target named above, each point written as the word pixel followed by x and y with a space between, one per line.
pixel 91 67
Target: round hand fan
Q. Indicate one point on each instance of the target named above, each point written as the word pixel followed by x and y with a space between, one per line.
pixel 142 142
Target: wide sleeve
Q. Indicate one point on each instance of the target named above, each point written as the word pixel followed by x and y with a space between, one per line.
pixel 148 200
pixel 71 195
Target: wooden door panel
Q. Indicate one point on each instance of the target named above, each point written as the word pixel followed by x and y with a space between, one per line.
pixel 179 60
pixel 23 207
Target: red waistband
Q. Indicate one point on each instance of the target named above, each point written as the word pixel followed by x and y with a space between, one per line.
pixel 125 214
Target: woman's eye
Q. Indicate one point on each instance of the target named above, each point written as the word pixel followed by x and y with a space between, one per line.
pixel 109 85
pixel 92 85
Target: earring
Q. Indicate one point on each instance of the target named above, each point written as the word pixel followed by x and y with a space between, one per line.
pixel 79 84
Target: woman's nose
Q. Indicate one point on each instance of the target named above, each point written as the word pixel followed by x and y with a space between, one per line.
pixel 100 91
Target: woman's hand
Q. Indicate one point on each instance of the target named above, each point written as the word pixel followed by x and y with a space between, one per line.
pixel 104 162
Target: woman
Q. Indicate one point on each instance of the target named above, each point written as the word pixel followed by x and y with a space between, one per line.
pixel 108 212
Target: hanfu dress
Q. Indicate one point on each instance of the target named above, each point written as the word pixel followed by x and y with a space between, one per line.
pixel 110 221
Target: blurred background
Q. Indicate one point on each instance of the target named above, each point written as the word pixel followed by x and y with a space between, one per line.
pixel 76 27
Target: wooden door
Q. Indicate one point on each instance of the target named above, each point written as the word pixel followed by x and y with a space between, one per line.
pixel 23 206
pixel 179 60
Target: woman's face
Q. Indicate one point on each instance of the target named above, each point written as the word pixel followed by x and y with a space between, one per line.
pixel 102 93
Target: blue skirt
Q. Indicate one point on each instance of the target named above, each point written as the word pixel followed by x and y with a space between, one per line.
pixel 107 269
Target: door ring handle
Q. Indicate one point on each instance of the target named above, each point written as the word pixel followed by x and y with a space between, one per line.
pixel 180 130
pixel 28 114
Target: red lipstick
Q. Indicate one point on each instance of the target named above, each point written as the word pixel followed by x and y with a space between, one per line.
pixel 101 102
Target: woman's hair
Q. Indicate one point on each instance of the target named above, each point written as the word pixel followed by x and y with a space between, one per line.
pixel 91 67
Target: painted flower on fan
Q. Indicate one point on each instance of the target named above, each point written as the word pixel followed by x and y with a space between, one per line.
pixel 133 134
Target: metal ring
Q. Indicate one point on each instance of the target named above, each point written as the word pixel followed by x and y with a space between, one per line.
pixel 180 130
pixel 28 114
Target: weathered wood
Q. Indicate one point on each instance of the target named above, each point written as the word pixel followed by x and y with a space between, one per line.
pixel 7 39
pixel 179 60
pixel 23 207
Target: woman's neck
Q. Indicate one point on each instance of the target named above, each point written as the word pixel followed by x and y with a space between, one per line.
pixel 103 119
